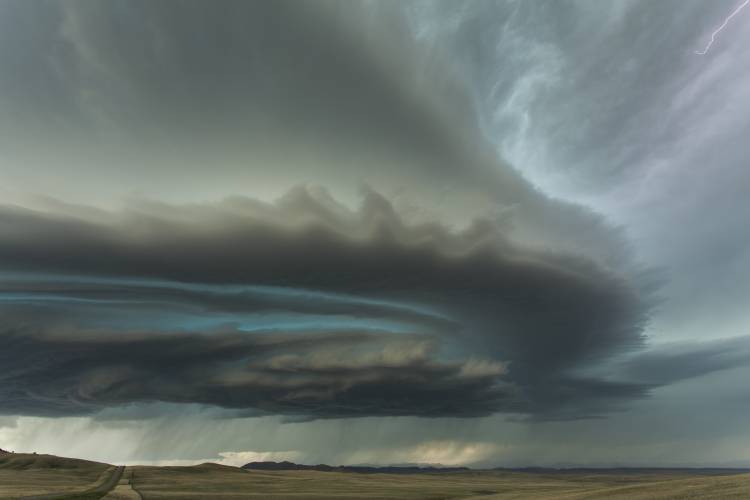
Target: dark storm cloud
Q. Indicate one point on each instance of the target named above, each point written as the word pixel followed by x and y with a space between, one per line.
pixel 250 96
pixel 483 301
pixel 183 98
pixel 206 300
pixel 536 311
pixel 309 375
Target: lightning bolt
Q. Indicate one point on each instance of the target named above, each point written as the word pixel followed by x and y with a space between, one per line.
pixel 723 25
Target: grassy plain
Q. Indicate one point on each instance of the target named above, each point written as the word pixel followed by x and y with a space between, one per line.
pixel 228 483
pixel 30 474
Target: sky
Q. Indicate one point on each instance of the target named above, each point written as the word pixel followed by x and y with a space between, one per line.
pixel 482 233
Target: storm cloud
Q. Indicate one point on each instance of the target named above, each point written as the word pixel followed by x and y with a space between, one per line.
pixel 209 282
pixel 313 375
pixel 526 214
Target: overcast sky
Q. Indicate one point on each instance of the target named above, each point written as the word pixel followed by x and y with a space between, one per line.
pixel 469 233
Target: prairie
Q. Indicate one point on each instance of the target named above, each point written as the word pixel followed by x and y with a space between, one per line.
pixel 49 477
pixel 229 483
pixel 24 475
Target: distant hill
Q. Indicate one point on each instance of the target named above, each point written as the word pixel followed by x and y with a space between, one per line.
pixel 362 469
pixel 624 471
pixel 206 468
pixel 26 461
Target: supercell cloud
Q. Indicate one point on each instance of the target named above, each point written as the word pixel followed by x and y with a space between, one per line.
pixel 339 211
pixel 302 307
pixel 451 288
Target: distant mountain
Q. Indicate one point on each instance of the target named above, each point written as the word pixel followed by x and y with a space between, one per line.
pixel 627 470
pixel 362 469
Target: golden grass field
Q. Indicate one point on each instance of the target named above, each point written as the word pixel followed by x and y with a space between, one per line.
pixel 28 475
pixel 228 483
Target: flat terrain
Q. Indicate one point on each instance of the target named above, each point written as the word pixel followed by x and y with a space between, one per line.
pixel 228 483
pixel 44 477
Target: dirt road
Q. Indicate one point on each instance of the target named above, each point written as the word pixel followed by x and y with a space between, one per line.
pixel 123 490
pixel 106 486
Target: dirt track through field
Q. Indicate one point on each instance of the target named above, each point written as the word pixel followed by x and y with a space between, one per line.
pixel 124 490
pixel 108 485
